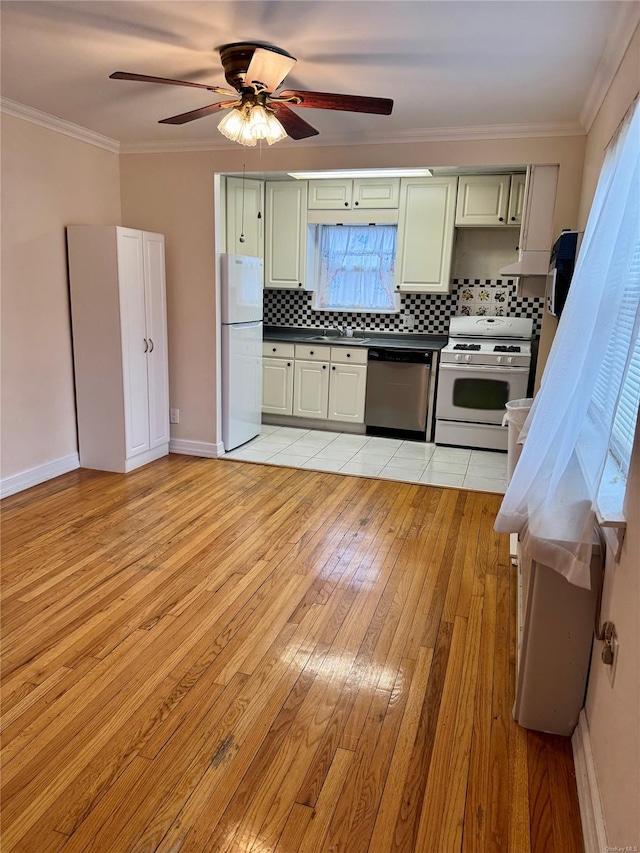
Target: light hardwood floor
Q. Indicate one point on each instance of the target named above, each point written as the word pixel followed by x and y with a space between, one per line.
pixel 216 656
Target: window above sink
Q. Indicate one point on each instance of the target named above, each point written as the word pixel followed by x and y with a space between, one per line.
pixel 355 268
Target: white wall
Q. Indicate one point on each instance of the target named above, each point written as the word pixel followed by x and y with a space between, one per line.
pixel 613 711
pixel 48 181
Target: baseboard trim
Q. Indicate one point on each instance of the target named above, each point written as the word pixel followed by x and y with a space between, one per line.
pixel 208 449
pixel 39 474
pixel 594 830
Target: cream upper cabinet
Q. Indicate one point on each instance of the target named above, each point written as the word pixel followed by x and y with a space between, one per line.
pixel 516 199
pixel 354 193
pixel 285 248
pixel 330 195
pixel 425 235
pixel 244 208
pixel 485 200
pixel 376 193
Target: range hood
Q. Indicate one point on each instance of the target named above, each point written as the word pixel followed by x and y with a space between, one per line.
pixel 529 263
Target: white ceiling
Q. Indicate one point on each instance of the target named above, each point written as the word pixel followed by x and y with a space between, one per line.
pixel 446 64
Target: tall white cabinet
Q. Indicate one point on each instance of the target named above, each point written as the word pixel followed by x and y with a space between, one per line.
pixel 119 322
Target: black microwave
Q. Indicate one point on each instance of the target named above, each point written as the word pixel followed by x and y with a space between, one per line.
pixel 561 267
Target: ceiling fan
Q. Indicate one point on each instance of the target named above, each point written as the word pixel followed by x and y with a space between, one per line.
pixel 255 72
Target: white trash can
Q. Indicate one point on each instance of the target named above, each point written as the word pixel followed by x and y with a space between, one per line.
pixel 514 418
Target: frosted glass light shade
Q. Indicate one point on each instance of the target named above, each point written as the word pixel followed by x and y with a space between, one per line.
pixel 258 122
pixel 246 124
pixel 231 124
pixel 276 130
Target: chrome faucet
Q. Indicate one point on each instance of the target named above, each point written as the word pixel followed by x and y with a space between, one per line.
pixel 344 331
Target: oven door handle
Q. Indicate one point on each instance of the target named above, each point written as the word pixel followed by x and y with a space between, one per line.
pixel 484 368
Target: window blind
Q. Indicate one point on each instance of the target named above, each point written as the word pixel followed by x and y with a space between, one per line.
pixel 618 370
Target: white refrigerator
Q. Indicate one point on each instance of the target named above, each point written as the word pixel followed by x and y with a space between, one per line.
pixel 241 307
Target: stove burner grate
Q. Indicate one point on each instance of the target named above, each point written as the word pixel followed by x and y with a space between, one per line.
pixel 502 348
pixel 467 346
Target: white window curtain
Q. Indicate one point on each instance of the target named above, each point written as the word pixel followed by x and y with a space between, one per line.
pixel 551 498
pixel 356 268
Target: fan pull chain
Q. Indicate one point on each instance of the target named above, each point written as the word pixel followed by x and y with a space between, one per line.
pixel 260 193
pixel 242 238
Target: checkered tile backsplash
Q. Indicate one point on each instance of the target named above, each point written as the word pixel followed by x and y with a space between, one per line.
pixel 430 314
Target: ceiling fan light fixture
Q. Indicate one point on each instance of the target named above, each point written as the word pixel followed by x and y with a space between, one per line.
pixel 231 125
pixel 247 123
pixel 258 122
pixel 276 131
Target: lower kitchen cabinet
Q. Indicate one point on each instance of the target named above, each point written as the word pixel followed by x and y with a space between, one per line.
pixel 347 385
pixel 311 381
pixel 311 389
pixel 277 386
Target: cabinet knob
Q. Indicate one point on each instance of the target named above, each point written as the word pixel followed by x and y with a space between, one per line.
pixel 501 219
pixel 324 366
pixel 299 284
pixel 333 368
pixel 348 355
pixel 357 203
pixel 346 204
pixel 310 352
pixel 513 219
pixel 274 350
pixel 288 364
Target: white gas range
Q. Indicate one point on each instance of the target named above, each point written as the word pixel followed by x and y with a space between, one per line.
pixel 485 365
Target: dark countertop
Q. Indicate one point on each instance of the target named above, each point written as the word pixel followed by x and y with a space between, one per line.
pixel 374 339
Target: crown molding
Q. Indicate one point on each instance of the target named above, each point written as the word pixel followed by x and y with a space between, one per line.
pixel 441 134
pixel 616 46
pixel 13 108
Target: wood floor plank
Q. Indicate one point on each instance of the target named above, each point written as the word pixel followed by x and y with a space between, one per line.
pixel 391 801
pixel 209 655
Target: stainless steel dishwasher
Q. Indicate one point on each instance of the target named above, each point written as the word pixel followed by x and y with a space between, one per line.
pixel 400 393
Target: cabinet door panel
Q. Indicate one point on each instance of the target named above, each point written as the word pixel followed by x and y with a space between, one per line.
pixel 330 195
pixel 156 323
pixel 516 199
pixel 425 235
pixel 286 232
pixel 374 193
pixel 311 389
pixel 277 386
pixel 483 200
pixel 244 203
pixel 133 330
pixel 347 384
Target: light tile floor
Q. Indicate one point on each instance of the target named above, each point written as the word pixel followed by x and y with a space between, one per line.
pixel 386 458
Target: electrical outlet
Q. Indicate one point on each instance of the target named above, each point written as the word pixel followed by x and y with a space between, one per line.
pixel 174 416
pixel 408 321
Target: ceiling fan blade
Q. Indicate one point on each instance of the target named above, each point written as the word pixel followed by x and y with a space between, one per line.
pixel 296 127
pixel 268 69
pixel 143 78
pixel 330 101
pixel 183 118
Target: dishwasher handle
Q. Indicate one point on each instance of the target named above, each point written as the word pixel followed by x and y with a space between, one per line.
pixel 404 356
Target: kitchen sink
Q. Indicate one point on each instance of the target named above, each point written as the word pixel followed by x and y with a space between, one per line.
pixel 338 339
